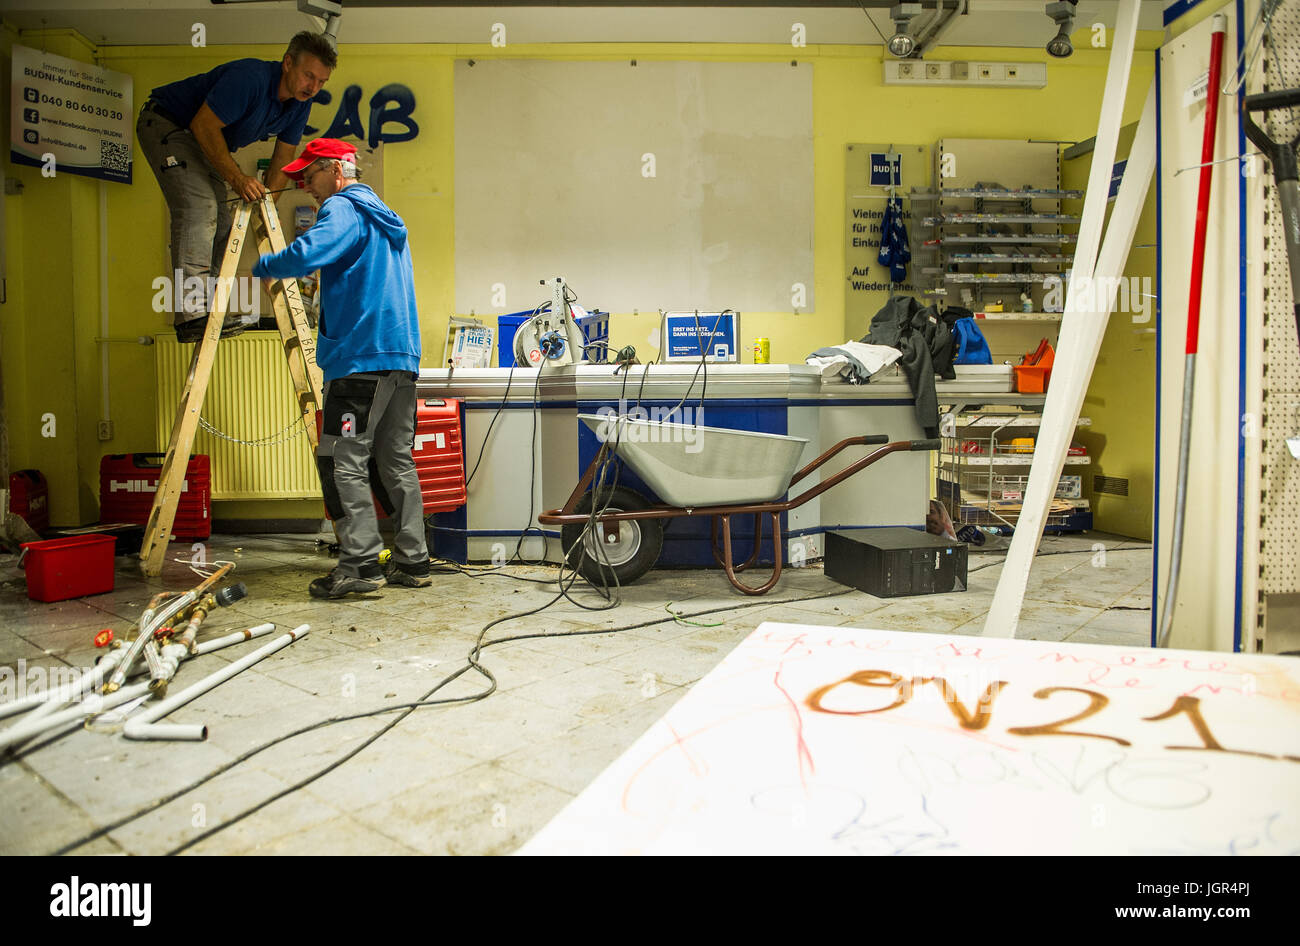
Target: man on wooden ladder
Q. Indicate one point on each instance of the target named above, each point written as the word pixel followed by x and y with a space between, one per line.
pixel 188 129
pixel 368 351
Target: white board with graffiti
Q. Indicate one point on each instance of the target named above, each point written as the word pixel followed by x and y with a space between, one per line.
pixel 830 740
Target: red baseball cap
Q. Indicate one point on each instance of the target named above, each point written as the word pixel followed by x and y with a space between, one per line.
pixel 315 150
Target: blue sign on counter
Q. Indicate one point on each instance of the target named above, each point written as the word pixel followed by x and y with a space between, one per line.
pixel 684 333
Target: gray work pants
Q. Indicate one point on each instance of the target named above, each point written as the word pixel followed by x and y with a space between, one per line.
pixel 370 428
pixel 196 198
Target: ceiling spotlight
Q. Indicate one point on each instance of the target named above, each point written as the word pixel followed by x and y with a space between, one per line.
pixel 901 45
pixel 1062 14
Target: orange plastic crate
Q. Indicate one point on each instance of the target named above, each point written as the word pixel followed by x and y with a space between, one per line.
pixel 1032 379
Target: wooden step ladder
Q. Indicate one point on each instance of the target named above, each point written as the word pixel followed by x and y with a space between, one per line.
pixel 299 351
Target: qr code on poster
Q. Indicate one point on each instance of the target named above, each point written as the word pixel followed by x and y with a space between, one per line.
pixel 114 156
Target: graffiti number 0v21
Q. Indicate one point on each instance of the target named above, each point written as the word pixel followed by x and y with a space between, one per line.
pixel 903 689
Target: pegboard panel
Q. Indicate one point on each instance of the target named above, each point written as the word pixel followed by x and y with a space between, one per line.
pixel 1279 525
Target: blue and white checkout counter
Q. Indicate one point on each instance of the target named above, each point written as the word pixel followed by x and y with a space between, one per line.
pixel 513 483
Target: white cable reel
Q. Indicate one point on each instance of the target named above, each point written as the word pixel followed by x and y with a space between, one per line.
pixel 551 338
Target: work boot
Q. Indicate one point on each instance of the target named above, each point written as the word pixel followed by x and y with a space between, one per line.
pixel 417 575
pixel 336 584
pixel 187 333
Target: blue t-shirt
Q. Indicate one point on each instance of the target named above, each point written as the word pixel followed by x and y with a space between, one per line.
pixel 245 95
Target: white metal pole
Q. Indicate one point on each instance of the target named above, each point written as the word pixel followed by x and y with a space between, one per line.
pixel 1071 370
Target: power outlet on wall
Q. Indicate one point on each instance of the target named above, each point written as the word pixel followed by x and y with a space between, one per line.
pixel 105 431
pixel 1011 75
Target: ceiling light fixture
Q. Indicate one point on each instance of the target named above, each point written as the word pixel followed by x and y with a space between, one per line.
pixel 1062 14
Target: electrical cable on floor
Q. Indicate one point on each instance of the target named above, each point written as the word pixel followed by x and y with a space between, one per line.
pixel 685 623
pixel 1118 548
pixel 471 663
pixel 479 646
pixel 204 569
pixel 443 567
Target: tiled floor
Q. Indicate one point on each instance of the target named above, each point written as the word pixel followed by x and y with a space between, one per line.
pixel 462 778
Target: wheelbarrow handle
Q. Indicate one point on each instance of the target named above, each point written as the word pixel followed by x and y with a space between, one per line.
pixel 872 440
pixel 926 445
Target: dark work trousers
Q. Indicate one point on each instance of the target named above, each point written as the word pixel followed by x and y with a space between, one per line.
pixel 371 417
pixel 196 198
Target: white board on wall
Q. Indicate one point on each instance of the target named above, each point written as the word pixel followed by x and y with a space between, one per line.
pixel 665 185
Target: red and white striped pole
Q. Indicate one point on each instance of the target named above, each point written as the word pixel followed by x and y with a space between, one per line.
pixel 1218 28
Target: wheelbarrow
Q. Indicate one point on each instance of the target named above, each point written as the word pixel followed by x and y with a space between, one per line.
pixel 697 471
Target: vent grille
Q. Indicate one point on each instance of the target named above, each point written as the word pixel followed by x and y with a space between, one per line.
pixel 1110 485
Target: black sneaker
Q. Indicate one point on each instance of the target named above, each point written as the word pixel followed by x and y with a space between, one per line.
pixel 188 333
pixel 416 575
pixel 336 584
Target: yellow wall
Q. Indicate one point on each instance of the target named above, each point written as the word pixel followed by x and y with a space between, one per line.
pixel 850 104
pixel 51 320
pixel 1121 398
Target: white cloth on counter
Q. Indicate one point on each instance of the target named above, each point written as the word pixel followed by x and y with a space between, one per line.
pixel 856 361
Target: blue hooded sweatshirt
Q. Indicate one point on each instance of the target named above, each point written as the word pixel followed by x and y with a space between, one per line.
pixel 368 318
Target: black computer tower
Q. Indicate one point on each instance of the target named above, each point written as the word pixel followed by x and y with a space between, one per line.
pixel 895 561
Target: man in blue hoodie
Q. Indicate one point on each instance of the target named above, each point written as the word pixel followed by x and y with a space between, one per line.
pixel 368 350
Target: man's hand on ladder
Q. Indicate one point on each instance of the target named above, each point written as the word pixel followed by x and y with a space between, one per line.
pixel 249 188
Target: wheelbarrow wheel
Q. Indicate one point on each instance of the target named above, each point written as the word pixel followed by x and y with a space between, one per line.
pixel 601 554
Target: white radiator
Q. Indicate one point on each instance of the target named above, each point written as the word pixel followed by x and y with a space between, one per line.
pixel 250 397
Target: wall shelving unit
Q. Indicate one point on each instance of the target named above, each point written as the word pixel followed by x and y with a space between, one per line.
pixel 992 229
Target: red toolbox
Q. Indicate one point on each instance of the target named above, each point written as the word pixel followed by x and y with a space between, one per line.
pixel 439 460
pixel 70 567
pixel 29 497
pixel 128 481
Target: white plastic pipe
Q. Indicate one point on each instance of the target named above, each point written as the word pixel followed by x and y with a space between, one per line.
pixel 35 725
pixel 66 693
pixel 91 679
pixel 217 643
pixel 144 725
pixel 93 705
